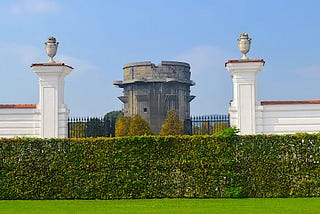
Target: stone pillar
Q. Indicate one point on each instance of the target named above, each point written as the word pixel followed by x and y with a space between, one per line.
pixel 242 109
pixel 54 112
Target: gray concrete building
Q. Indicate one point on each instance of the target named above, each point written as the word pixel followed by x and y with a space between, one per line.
pixel 151 90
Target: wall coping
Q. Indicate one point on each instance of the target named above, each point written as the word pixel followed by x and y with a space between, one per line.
pixel 26 106
pixel 290 102
pixel 244 61
pixel 50 64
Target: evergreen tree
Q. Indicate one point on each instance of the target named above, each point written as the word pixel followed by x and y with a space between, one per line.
pixel 139 126
pixel 110 119
pixel 172 125
pixel 122 126
pixel 95 127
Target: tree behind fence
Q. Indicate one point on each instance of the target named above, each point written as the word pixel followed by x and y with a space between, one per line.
pixel 209 124
pixel 89 127
pixel 99 127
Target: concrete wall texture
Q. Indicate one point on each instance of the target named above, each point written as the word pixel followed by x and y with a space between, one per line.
pixel 151 90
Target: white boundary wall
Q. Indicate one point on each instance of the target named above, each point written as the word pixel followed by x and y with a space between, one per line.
pixel 19 120
pixel 268 117
pixel 49 118
pixel 287 117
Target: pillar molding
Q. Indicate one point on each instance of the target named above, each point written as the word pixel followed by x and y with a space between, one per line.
pixel 54 112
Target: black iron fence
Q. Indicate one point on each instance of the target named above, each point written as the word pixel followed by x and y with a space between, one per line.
pixel 90 127
pixel 99 127
pixel 209 124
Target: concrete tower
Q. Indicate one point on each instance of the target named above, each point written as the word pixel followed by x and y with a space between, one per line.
pixel 150 91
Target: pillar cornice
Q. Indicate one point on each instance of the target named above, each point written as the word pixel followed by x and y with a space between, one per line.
pixel 50 64
pixel 244 61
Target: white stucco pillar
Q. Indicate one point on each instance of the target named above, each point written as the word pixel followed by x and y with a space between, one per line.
pixel 243 108
pixel 54 112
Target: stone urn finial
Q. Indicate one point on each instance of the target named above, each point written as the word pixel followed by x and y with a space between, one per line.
pixel 244 43
pixel 51 48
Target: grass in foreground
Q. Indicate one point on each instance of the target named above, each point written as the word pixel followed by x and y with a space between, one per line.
pixel 238 206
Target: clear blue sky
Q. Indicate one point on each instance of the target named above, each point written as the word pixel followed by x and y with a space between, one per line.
pixel 98 37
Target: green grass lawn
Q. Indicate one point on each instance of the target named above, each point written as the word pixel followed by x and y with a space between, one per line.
pixel 260 206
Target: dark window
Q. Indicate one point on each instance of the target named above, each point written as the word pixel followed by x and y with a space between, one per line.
pixel 145 110
pixel 132 73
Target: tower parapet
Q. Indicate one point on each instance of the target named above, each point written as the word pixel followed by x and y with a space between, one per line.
pixel 166 71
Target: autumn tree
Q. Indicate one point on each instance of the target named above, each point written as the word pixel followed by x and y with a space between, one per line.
pixel 219 126
pixel 139 126
pixel 172 125
pixel 122 126
pixel 76 129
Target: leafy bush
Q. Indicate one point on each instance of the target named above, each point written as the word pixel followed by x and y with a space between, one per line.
pixel 222 165
pixel 234 192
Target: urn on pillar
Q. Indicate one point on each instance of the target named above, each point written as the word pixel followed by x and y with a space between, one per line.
pixel 53 111
pixel 244 43
pixel 244 106
pixel 51 48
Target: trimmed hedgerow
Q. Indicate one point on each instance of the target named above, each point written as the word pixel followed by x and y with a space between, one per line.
pixel 223 165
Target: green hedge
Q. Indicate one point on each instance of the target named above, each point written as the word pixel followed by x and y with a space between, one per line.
pixel 160 167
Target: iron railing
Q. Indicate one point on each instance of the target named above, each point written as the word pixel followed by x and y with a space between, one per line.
pixel 89 127
pixel 209 124
pixel 99 127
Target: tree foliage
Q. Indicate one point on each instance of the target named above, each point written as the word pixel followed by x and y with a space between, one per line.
pixel 95 127
pixel 110 118
pixel 136 126
pixel 139 126
pixel 172 125
pixel 207 127
pixel 122 126
pixel 76 130
pixel 219 126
